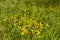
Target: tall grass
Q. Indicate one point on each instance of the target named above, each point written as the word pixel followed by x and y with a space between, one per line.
pixel 29 20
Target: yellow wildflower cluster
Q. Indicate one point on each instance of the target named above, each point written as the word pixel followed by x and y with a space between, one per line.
pixel 23 30
pixel 29 25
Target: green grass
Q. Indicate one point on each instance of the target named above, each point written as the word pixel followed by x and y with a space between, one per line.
pixel 47 14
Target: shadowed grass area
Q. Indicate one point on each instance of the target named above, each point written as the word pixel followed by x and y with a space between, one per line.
pixel 29 20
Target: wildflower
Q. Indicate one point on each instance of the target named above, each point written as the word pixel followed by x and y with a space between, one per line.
pixel 32 31
pixel 23 28
pixel 46 25
pixel 38 32
pixel 41 25
pixel 14 17
pixel 20 27
pixel 22 33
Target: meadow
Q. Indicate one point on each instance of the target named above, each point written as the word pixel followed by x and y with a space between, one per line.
pixel 29 19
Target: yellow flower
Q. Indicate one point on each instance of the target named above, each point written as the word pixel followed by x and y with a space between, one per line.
pixel 38 32
pixel 14 17
pixel 46 25
pixel 23 28
pixel 41 25
pixel 32 31
pixel 22 33
pixel 20 27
